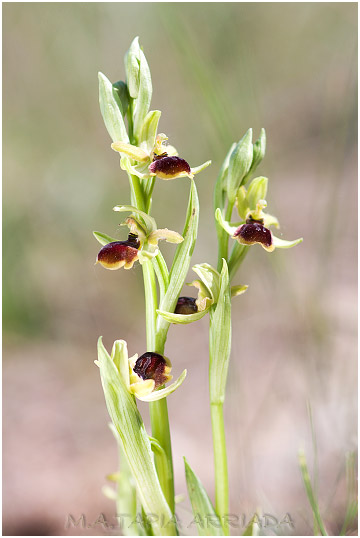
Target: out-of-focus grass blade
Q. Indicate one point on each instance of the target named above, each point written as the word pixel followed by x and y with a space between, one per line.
pixel 310 493
pixel 352 504
pixel 252 529
pixel 182 258
pixel 208 523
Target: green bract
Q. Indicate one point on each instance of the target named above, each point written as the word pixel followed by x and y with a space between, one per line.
pixel 134 441
pixel 111 110
pixel 239 165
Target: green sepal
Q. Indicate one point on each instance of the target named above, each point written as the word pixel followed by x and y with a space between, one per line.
pixel 220 339
pixel 282 243
pixel 239 165
pixel 121 89
pixel 183 319
pixel 148 132
pixel 111 110
pixel 134 442
pixel 210 278
pixel 202 507
pixel 257 190
pixel 182 259
pixel 104 239
pixel 150 224
pixel 242 202
pixel 119 355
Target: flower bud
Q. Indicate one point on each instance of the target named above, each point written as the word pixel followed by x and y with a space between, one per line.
pixel 170 168
pixel 119 253
pixel 254 231
pixel 153 366
pixel 186 306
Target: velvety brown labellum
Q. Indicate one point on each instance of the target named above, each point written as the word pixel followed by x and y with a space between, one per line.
pixel 253 232
pixel 186 305
pixel 169 167
pixel 118 254
pixel 152 366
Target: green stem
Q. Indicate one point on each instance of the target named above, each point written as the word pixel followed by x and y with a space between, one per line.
pixel 158 410
pixel 220 461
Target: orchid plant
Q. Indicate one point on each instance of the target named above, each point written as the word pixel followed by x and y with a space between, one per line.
pixel 145 481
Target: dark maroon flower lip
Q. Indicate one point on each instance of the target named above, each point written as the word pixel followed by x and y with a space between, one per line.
pixel 170 167
pixel 153 366
pixel 119 253
pixel 254 232
pixel 186 306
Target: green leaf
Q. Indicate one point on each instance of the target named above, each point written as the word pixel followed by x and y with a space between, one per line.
pixel 207 522
pixel 182 259
pixel 310 493
pixel 149 221
pixel 162 273
pixel 121 89
pixel 182 319
pixel 134 442
pixel 239 165
pixel 351 500
pixel 149 130
pixel 111 110
pixel 220 340
pixel 104 239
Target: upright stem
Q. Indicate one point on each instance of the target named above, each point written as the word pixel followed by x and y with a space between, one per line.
pixel 224 239
pixel 221 470
pixel 158 409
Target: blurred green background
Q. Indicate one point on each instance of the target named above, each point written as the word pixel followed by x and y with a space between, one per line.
pixel 217 69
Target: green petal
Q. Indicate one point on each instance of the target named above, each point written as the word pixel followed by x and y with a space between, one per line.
pixel 223 223
pixel 238 290
pixel 149 221
pixel 257 191
pixel 119 355
pixel 281 243
pixel 182 319
pixel 164 234
pixel 200 168
pixel 163 393
pixel 104 239
pixel 133 152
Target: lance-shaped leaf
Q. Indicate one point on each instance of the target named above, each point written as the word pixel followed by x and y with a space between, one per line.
pixel 181 260
pixel 207 522
pixel 111 110
pixel 220 339
pixel 104 239
pixel 135 443
pixel 239 165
